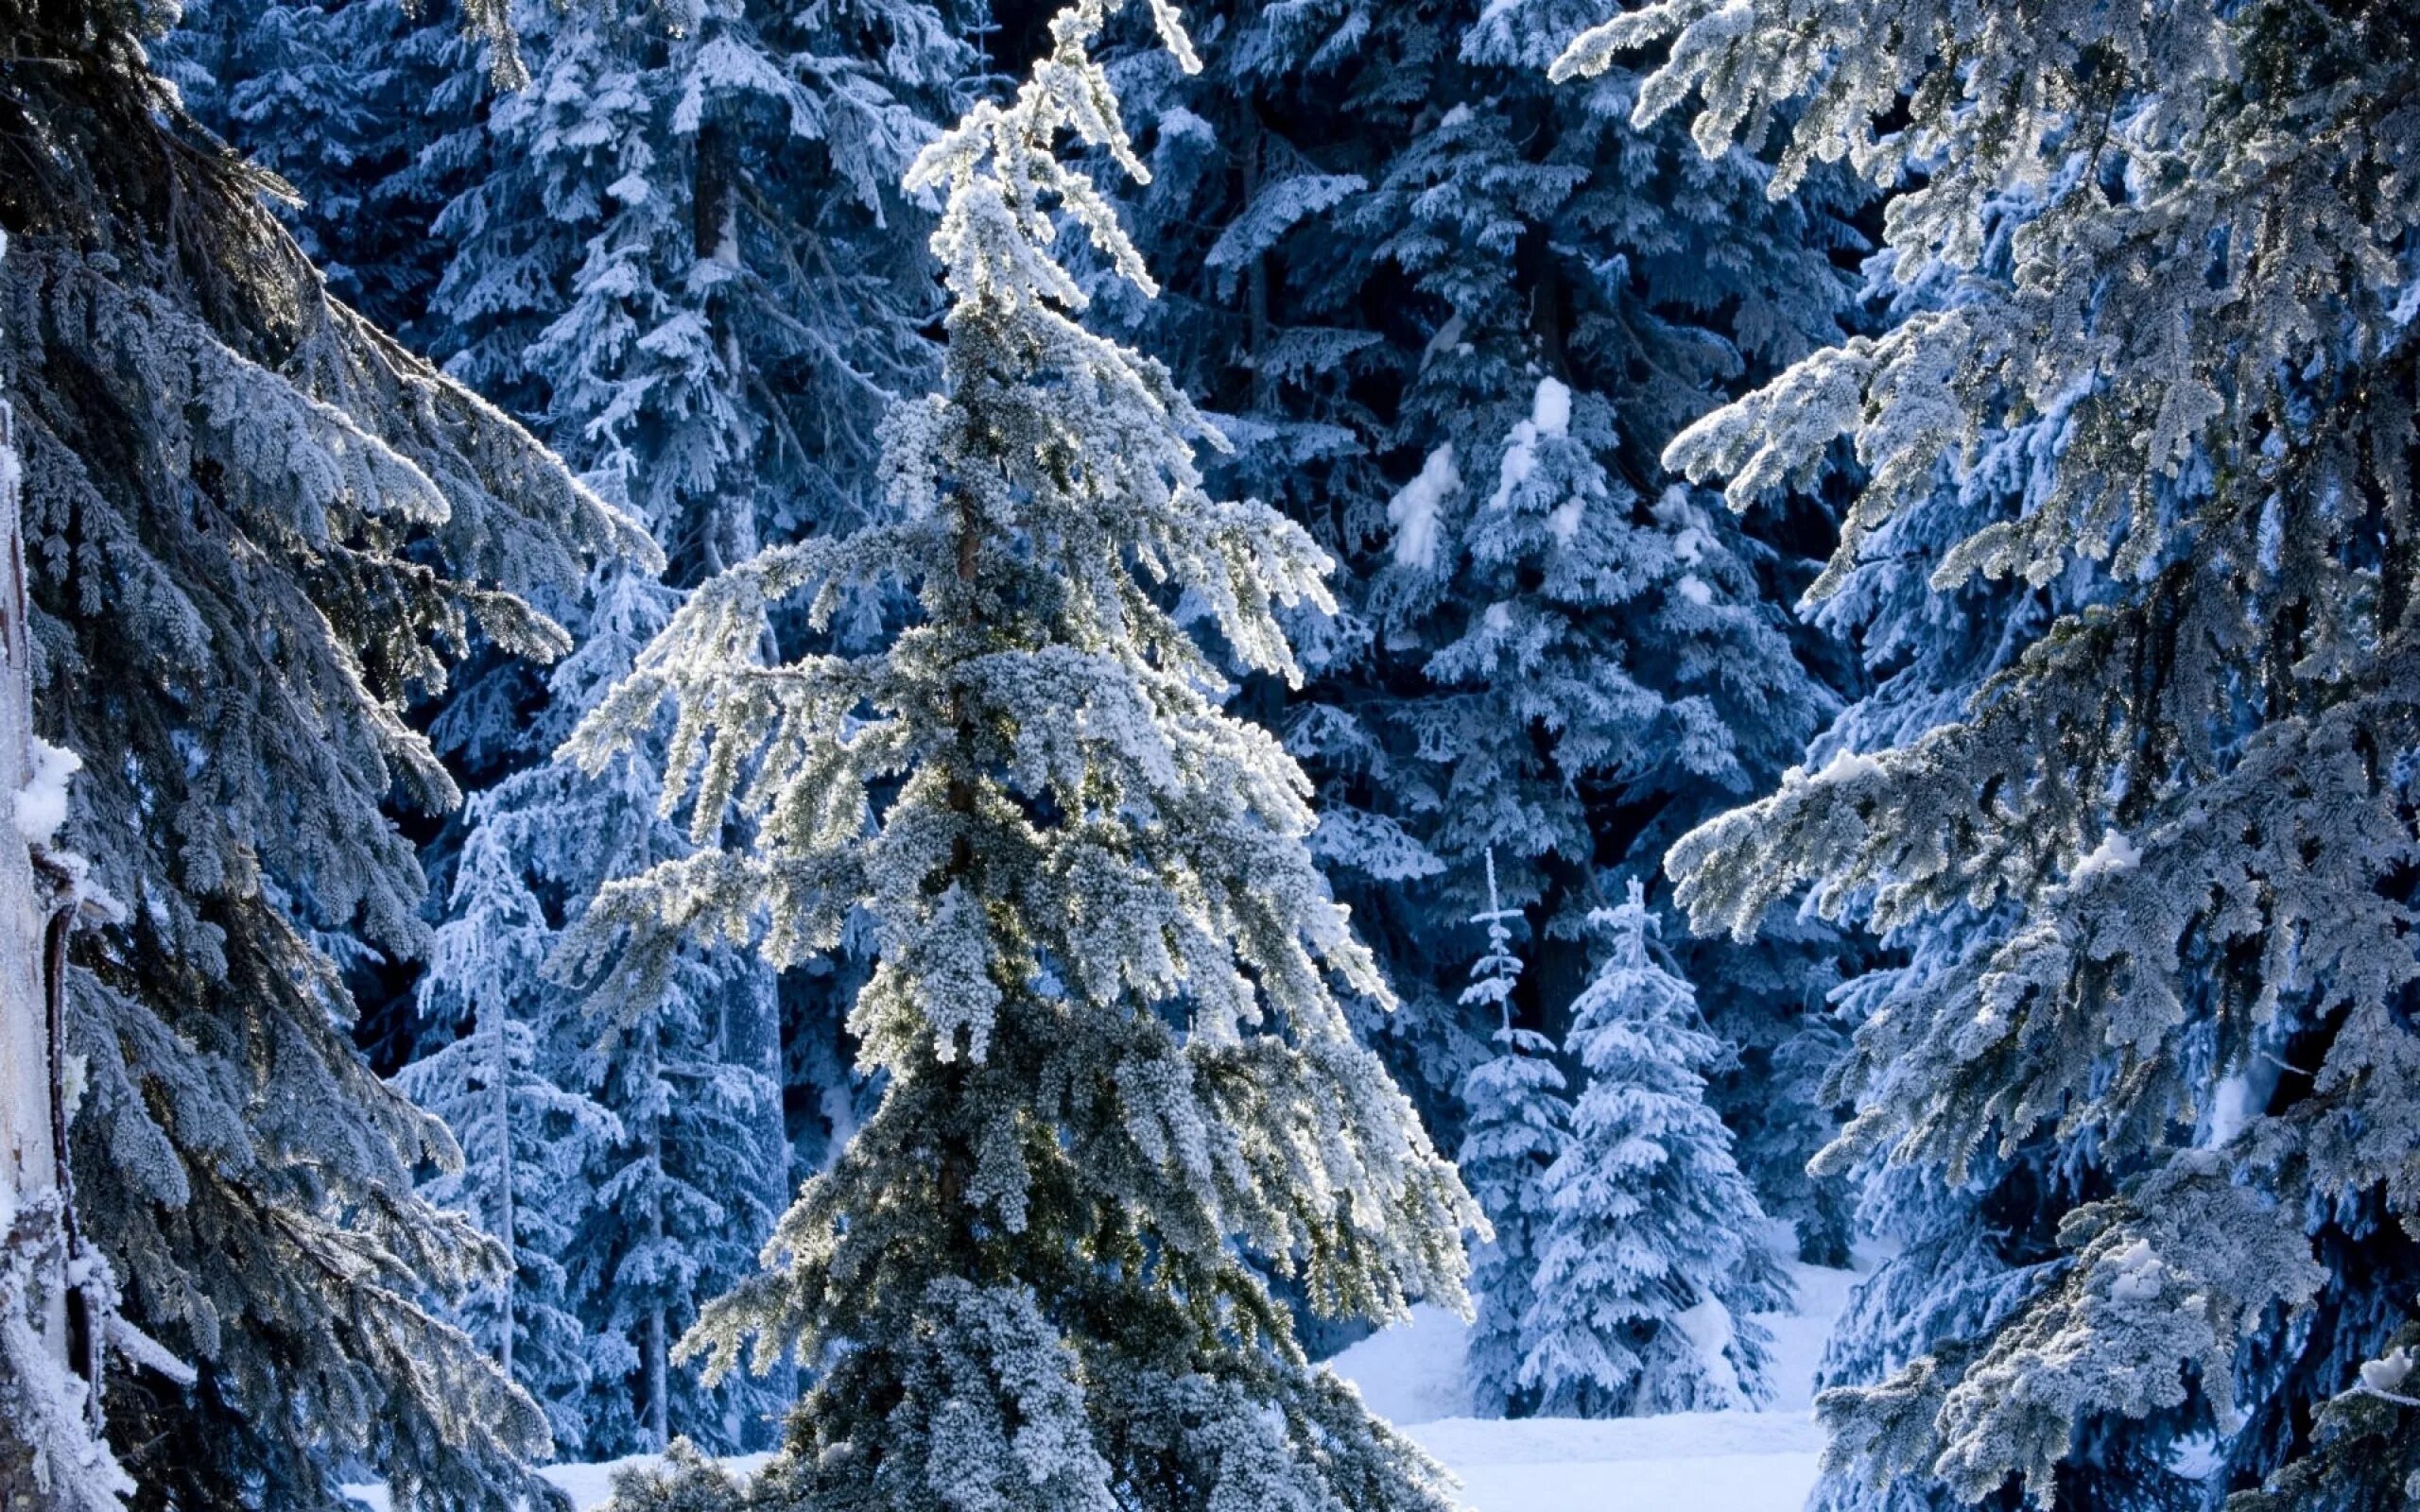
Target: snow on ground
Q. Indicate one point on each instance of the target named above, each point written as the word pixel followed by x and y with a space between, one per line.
pixel 589 1486
pixel 1703 1462
pixel 592 1486
pixel 1411 1376
pixel 1411 1373
pixel 1706 1462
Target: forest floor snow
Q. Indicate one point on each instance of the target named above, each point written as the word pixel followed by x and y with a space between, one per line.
pixel 1741 1461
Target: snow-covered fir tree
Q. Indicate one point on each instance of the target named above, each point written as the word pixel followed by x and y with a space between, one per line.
pixel 690 258
pixel 1516 1124
pixel 660 1111
pixel 1119 1086
pixel 1450 315
pixel 530 1141
pixel 1654 1261
pixel 2187 798
pixel 1955 1257
pixel 333 97
pixel 255 527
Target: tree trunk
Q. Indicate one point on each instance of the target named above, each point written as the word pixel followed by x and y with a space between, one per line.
pixel 1256 274
pixel 749 1035
pixel 659 1411
pixel 502 1091
pixel 657 1365
pixel 51 1455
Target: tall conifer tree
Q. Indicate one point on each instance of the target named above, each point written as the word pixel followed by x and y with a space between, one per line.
pixel 1120 1089
pixel 2180 818
pixel 1450 313
pixel 1652 1268
pixel 1518 1123
pixel 255 527
pixel 689 254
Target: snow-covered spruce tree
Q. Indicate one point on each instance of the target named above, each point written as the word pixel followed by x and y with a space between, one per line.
pixel 676 1047
pixel 1956 1257
pixel 253 525
pixel 528 1141
pixel 1606 654
pixel 1516 1124
pixel 1272 314
pixel 1455 313
pixel 2191 794
pixel 1119 1086
pixel 691 257
pixel 1655 1257
pixel 321 92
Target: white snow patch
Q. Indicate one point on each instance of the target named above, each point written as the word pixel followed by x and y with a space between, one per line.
pixel 1414 511
pixel 1705 1462
pixel 1822 1295
pixel 2231 1108
pixel 1448 338
pixel 2139 1273
pixel 1707 1326
pixel 1520 460
pixel 2389 1372
pixel 1177 122
pixel 2115 853
pixel 1550 416
pixel 1550 408
pixel 1846 766
pixel 1413 1372
pixel 1565 522
pixel 1702 1462
pixel 143 1349
pixel 42 803
pixel 1736 1461
pixel 1498 617
pixel 2386 1372
pixel 592 1486
pixel 588 1485
pixel 1693 589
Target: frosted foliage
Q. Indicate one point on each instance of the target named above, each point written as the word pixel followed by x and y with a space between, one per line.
pixel 1653 1259
pixel 1105 1006
pixel 687 248
pixel 2154 840
pixel 255 527
pixel 637 1128
pixel 1516 1123
pixel 49 1448
pixel 1507 236
pixel 335 99
pixel 526 1140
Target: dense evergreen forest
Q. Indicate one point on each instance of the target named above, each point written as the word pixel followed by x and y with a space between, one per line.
pixel 936 734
